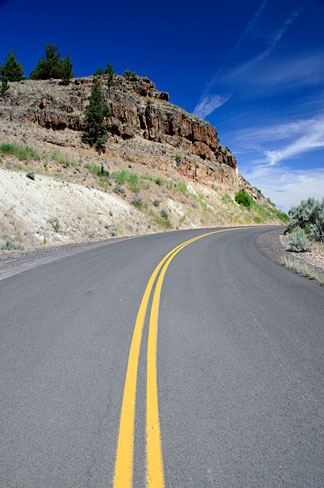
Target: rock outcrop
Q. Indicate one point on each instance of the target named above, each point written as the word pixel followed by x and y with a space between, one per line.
pixel 138 109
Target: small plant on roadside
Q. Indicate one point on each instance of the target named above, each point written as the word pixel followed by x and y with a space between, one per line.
pixel 54 221
pixel 11 245
pixel 156 202
pixel 164 214
pixel 298 241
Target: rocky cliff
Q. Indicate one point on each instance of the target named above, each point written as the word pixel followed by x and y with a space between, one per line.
pixel 162 167
pixel 139 111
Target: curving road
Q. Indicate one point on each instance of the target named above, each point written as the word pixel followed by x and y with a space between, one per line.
pixel 226 365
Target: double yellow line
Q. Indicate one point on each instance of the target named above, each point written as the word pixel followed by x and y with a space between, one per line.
pixel 125 449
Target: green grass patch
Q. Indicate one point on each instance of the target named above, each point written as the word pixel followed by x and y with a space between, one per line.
pixel 159 181
pixel 227 199
pixel 23 153
pixel 131 179
pixel 61 158
pixel 98 171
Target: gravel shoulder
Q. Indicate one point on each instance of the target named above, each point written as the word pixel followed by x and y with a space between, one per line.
pixel 14 262
pixel 274 245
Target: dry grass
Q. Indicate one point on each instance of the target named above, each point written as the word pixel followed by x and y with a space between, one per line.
pixel 301 269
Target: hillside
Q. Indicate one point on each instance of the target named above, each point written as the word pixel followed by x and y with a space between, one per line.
pixel 163 168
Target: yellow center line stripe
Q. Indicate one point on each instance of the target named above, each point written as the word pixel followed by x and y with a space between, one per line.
pixel 125 449
pixel 124 458
pixel 154 475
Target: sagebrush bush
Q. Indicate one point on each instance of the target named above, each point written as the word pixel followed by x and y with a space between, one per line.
pixel 137 201
pixel 298 241
pixel 11 245
pixel 309 216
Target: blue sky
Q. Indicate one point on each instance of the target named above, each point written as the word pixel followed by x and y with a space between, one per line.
pixel 254 70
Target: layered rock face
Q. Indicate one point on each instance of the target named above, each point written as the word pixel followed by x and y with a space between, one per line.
pixel 138 109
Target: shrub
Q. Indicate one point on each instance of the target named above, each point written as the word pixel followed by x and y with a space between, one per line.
pixel 309 216
pixel 137 201
pixel 11 245
pixel 164 214
pixel 156 202
pixel 158 181
pixel 178 160
pixel 257 219
pixel 118 189
pixel 298 241
pixel 243 199
pixel 30 175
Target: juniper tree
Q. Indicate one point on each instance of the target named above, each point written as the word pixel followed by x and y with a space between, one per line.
pixel 110 72
pixel 98 72
pixel 66 70
pixel 95 132
pixel 4 86
pixel 12 70
pixel 49 67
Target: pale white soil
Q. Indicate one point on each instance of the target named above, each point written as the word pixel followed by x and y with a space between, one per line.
pixel 27 208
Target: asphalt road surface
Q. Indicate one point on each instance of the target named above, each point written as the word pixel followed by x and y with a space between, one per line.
pixel 224 355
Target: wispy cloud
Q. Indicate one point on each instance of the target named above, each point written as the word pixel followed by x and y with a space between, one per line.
pixel 209 103
pixel 279 132
pixel 250 25
pixel 301 136
pixel 225 77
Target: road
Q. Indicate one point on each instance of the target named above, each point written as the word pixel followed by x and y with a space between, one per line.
pixel 223 355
